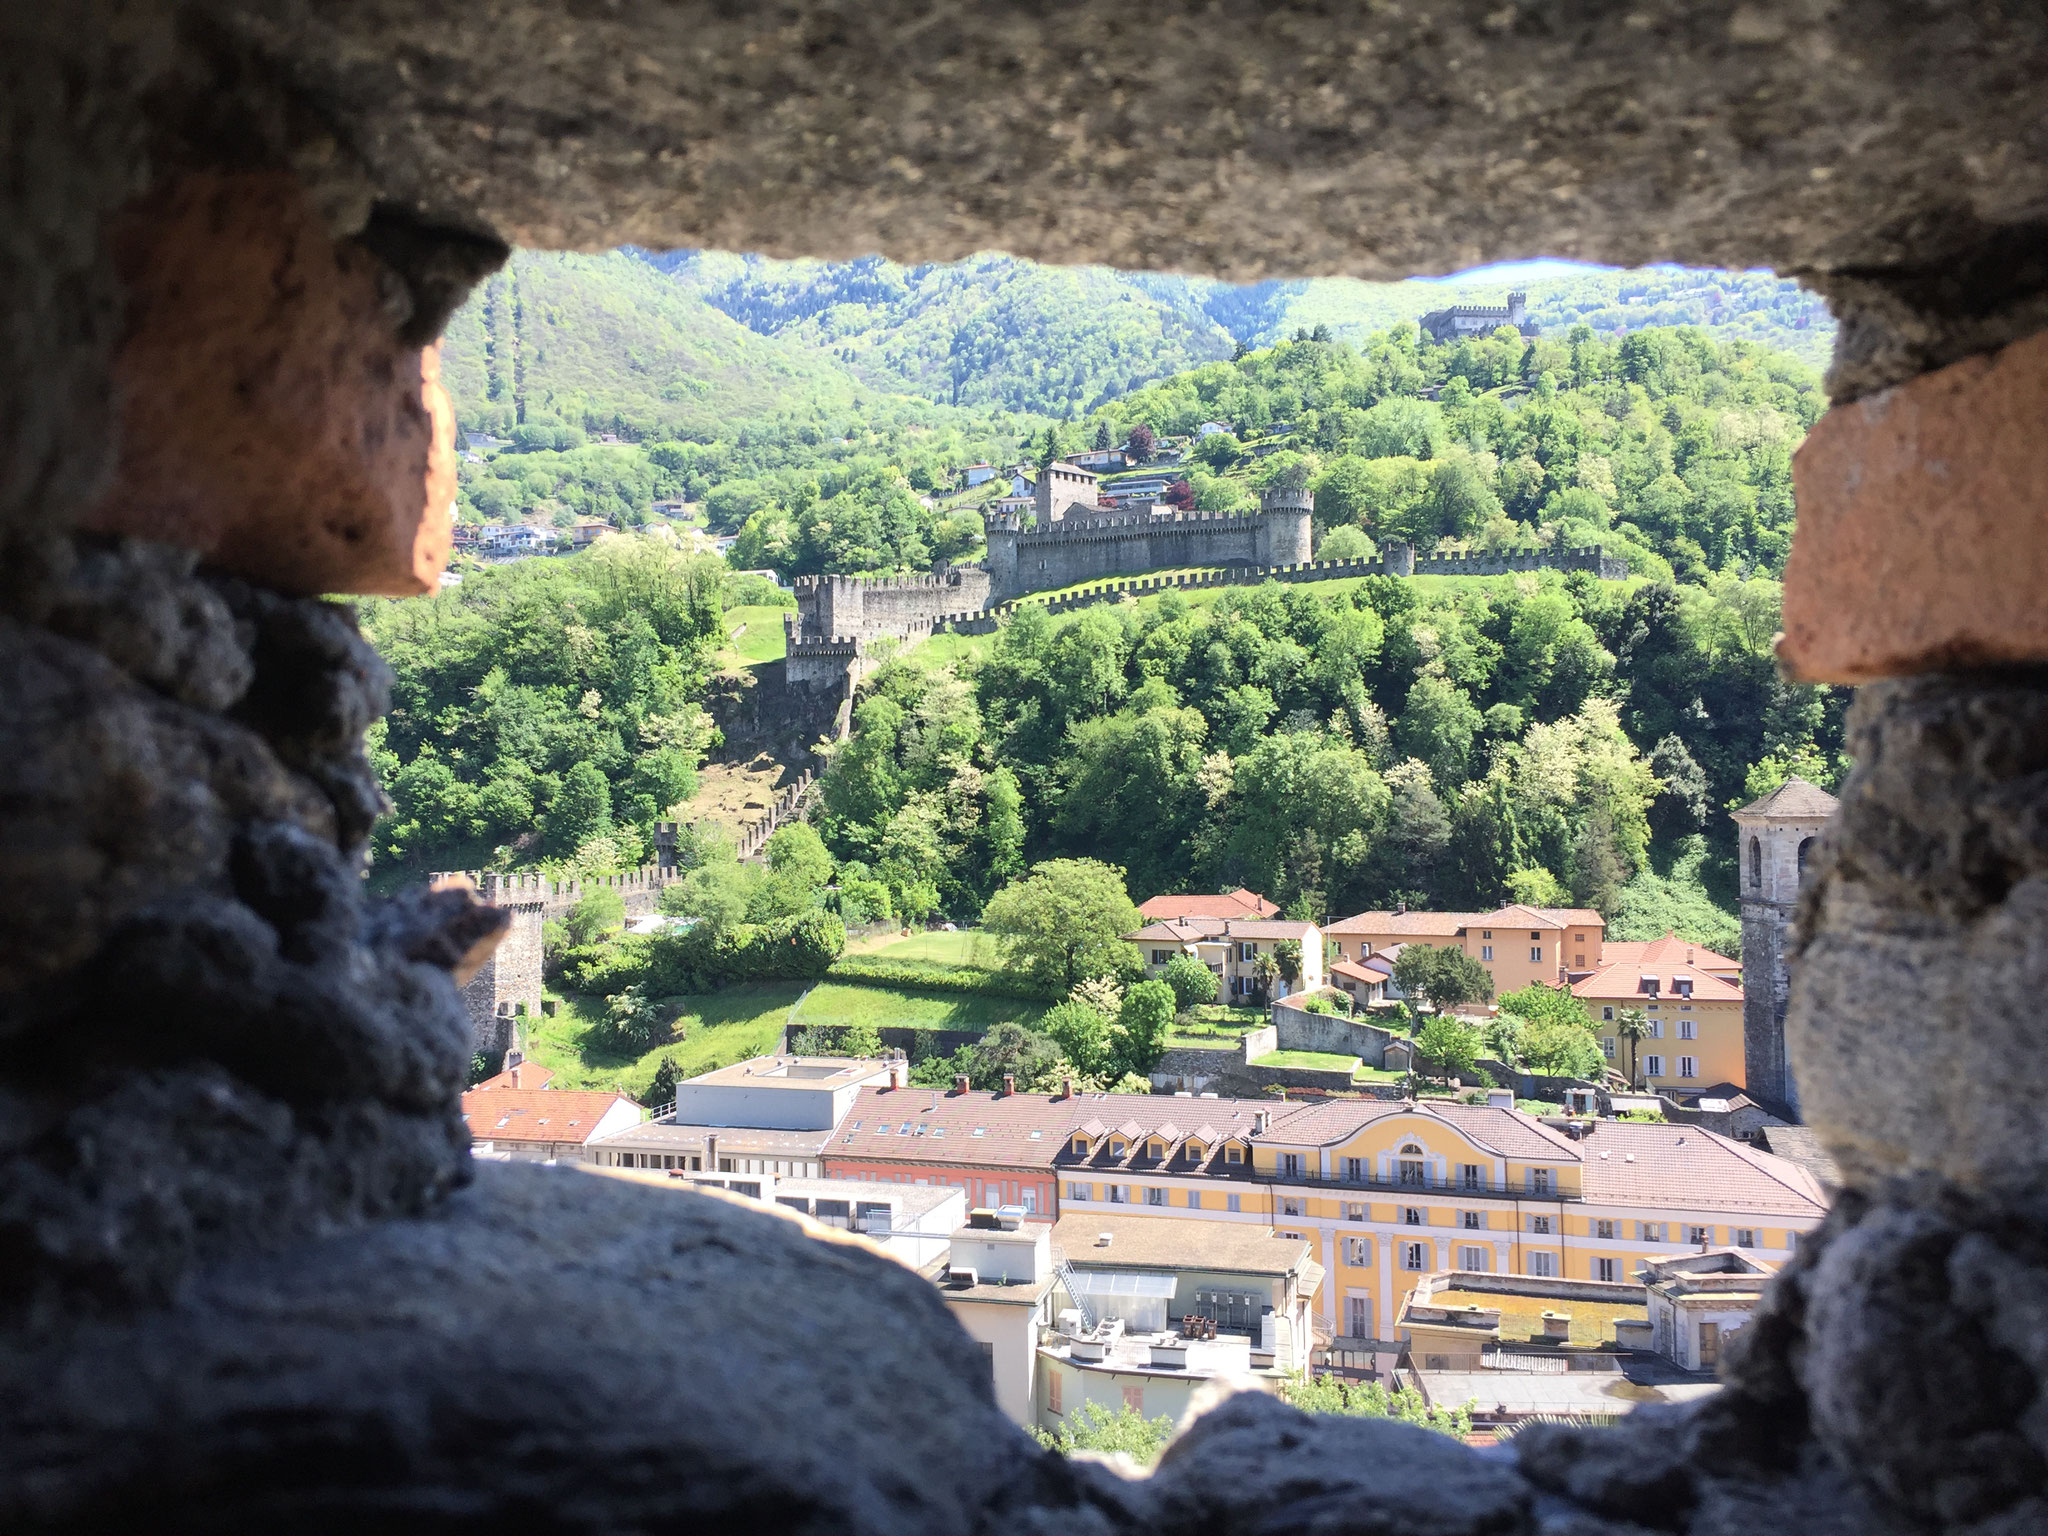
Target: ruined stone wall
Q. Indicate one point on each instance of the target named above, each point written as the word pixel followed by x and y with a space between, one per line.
pixel 862 608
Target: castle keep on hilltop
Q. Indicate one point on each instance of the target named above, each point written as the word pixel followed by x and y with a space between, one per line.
pixel 1462 320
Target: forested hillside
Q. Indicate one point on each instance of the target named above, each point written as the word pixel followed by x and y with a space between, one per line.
pixel 1444 743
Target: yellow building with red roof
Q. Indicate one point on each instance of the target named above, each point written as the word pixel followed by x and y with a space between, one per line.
pixel 1694 1016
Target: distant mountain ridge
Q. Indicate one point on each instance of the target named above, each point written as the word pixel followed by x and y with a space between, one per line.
pixel 706 343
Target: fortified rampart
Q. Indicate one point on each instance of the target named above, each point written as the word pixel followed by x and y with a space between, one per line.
pixel 1033 557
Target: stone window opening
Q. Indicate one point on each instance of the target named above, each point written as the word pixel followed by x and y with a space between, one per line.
pixel 1945 659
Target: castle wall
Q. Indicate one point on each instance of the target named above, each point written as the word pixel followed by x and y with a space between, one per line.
pixel 509 983
pixel 1118 546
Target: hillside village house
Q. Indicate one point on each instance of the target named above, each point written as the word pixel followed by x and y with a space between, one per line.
pixel 542 1125
pixel 1231 948
pixel 980 474
pixel 1517 944
pixel 1694 1016
pixel 1237 903
pixel 1384 1192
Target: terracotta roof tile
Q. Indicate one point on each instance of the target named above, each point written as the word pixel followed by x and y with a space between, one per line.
pixel 1670 947
pixel 1624 979
pixel 1794 799
pixel 536 1114
pixel 1413 924
pixel 1237 903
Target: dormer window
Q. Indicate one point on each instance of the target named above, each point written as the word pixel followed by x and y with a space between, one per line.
pixel 1080 1146
pixel 1116 1148
pixel 1682 986
pixel 1234 1155
pixel 1153 1150
pixel 1649 986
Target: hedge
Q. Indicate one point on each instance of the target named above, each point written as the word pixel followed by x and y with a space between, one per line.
pixel 934 976
pixel 801 947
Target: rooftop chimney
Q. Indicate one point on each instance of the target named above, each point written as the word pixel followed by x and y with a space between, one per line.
pixel 959 1082
pixel 895 1075
pixel 1009 1084
pixel 1261 1119
pixel 1066 1087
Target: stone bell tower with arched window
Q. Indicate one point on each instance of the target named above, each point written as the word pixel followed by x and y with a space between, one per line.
pixel 1777 834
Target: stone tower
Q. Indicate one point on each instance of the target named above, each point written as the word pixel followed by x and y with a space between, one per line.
pixel 506 990
pixel 1777 833
pixel 1285 527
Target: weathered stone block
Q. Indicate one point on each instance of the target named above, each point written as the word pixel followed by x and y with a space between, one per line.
pixel 271 417
pixel 1923 526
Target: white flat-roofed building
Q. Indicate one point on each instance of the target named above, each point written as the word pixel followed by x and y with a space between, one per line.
pixel 771 1116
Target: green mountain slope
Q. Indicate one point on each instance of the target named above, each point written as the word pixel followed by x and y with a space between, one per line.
pixel 990 330
pixel 610 342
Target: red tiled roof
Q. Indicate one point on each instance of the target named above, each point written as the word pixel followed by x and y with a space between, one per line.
pixel 1624 979
pixel 1358 972
pixel 528 1074
pixel 1682 1167
pixel 536 1114
pixel 1515 915
pixel 1670 947
pixel 1237 903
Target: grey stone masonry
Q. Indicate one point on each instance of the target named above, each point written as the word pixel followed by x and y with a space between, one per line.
pixel 1778 833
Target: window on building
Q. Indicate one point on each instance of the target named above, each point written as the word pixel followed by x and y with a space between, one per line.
pixel 1415 1256
pixel 1473 1257
pixel 1542 1265
pixel 1233 1203
pixel 1688 1029
pixel 1607 1046
pixel 1604 1230
pixel 1578 962
pixel 1656 1026
pixel 1116 1148
pixel 1486 951
pixel 1154 1150
pixel 1756 864
pixel 1118 1194
pixel 1540 1225
pixel 1234 1155
pixel 1607 1269
pixel 1539 1181
pixel 1161 956
pixel 1473 1221
pixel 1472 1176
pixel 1358 1316
pixel 1688 1066
pixel 1412 1171
pixel 1682 985
pixel 1081 1192
pixel 1290 1165
pixel 1030 1199
pixel 1247 952
pixel 1648 986
pixel 1354 1213
pixel 1651 1231
pixel 1053 1380
pixel 1354 1169
pixel 1745 1237
pixel 1607 1014
pixel 1194 1199
pixel 1155 1197
pixel 1134 1399
pixel 1535 953
pixel 1290 1207
pixel 1486 933
pixel 1411 1216
pixel 1653 1066
pixel 1358 1252
pixel 1699 1237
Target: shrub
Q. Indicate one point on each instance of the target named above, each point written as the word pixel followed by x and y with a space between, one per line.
pixel 935 976
pixel 1193 983
pixel 1092 1427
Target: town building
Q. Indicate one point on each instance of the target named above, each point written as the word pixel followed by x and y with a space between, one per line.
pixel 998 1281
pixel 1777 836
pixel 980 474
pixel 1152 1309
pixel 1697 1300
pixel 1695 1021
pixel 543 1125
pixel 772 1115
pixel 1231 948
pixel 1670 947
pixel 1102 460
pixel 1517 944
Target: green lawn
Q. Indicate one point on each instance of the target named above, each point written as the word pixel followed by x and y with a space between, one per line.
pixel 833 1002
pixel 721 1027
pixel 1321 1061
pixel 761 636
pixel 968 946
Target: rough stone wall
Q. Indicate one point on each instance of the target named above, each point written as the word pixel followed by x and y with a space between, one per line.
pixel 1038 560
pixel 1300 1030
pixel 862 608
pixel 508 986
pixel 1766 992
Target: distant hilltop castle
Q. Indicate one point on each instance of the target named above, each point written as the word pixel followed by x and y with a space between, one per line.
pixel 1462 320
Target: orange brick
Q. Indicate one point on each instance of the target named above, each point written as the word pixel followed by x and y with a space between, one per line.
pixel 270 418
pixel 1922 543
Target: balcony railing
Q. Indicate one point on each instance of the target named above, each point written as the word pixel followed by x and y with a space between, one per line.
pixel 1424 1185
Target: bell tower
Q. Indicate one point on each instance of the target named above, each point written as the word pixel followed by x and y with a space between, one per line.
pixel 1777 836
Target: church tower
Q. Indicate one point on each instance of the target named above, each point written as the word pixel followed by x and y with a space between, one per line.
pixel 1777 834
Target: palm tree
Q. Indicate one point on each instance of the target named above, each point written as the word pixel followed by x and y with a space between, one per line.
pixel 1633 1025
